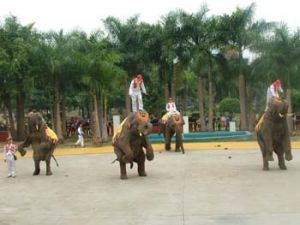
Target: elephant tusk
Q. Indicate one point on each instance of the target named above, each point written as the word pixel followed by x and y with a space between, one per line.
pixel 281 115
pixel 141 134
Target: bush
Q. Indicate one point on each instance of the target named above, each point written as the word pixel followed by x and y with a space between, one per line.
pixel 231 105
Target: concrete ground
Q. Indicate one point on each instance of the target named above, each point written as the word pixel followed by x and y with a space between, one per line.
pixel 213 183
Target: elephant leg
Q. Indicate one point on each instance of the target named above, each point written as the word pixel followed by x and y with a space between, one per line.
pixel 128 154
pixel 287 148
pixel 281 162
pixel 178 142
pixel 182 148
pixel 123 171
pixel 168 141
pixel 265 163
pixel 149 150
pixel 36 167
pixel 141 166
pixel 48 167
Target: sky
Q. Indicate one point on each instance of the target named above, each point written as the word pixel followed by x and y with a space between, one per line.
pixel 87 15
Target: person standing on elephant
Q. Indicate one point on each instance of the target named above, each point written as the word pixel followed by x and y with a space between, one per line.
pixel 136 89
pixel 80 136
pixel 9 157
pixel 274 90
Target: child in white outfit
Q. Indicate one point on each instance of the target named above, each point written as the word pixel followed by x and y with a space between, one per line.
pixel 9 157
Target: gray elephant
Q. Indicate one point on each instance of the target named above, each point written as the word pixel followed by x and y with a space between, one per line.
pixel 273 134
pixel 43 146
pixel 173 125
pixel 129 141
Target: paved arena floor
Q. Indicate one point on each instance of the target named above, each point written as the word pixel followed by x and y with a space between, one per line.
pixel 213 183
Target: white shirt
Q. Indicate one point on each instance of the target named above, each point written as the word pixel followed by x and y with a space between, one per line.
pixel 136 90
pixel 171 107
pixel 274 91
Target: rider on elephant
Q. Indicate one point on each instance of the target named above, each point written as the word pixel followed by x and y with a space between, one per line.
pixel 37 123
pixel 274 91
pixel 171 109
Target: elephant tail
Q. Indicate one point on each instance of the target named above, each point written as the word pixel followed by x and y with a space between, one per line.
pixel 131 163
pixel 55 160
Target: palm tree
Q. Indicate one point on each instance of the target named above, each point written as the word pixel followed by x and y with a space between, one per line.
pixel 282 52
pixel 19 43
pixel 240 33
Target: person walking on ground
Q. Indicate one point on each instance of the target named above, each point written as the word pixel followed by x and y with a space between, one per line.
pixel 80 136
pixel 9 157
pixel 136 89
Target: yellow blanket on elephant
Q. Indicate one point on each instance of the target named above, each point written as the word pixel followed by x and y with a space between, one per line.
pixel 51 135
pixel 168 114
pixel 119 130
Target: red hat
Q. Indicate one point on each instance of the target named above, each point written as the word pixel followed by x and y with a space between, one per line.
pixel 139 77
pixel 277 83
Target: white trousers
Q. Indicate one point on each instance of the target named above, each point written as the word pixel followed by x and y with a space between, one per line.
pixel 11 165
pixel 80 140
pixel 137 102
pixel 269 97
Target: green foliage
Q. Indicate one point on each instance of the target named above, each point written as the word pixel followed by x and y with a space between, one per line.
pixel 296 100
pixel 231 105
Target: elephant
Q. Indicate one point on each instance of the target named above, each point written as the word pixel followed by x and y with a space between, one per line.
pixel 42 146
pixel 173 125
pixel 129 141
pixel 273 134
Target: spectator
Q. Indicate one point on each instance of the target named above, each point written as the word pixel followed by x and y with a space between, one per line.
pixel 80 134
pixel 9 157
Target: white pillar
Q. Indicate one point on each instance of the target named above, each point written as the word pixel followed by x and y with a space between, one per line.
pixel 186 124
pixel 116 122
pixel 232 126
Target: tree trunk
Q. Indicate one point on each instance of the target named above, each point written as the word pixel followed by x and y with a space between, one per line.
pixel 174 83
pixel 96 128
pixel 200 91
pixel 210 98
pixel 166 86
pixel 20 116
pixel 63 118
pixel 127 98
pixel 104 119
pixel 11 124
pixel 252 115
pixel 290 110
pixel 56 113
pixel 243 108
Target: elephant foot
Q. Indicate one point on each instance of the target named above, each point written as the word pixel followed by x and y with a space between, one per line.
pixel 143 174
pixel 36 172
pixel 123 177
pixel 177 150
pixel 282 167
pixel 266 168
pixel 150 156
pixel 49 173
pixel 288 156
